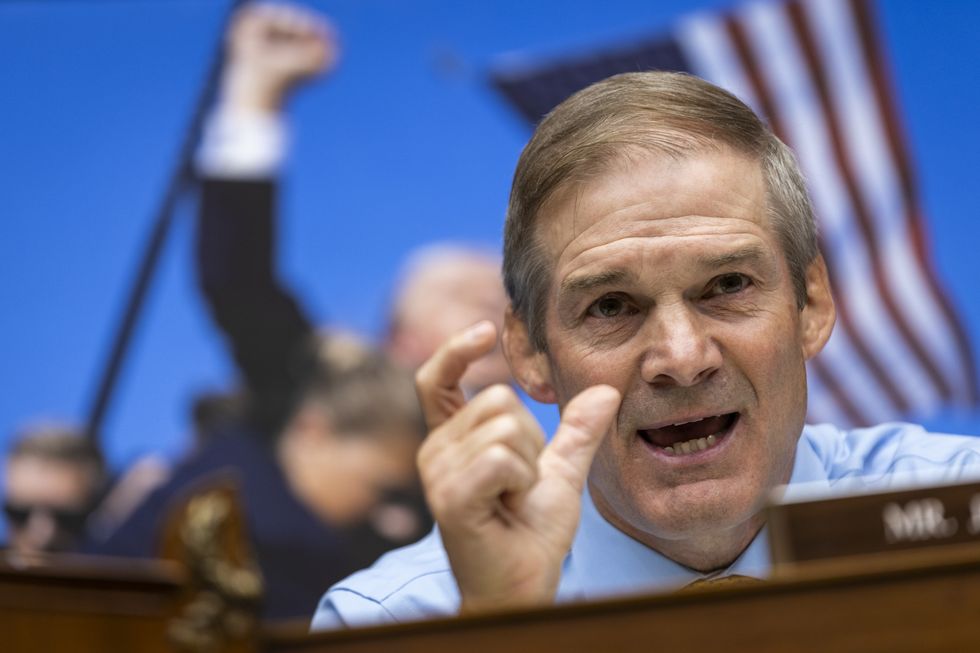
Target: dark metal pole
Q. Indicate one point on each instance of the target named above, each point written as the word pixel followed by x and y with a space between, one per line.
pixel 180 181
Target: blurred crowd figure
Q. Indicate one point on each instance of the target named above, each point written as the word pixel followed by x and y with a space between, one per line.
pixel 274 50
pixel 320 438
pixel 327 493
pixel 442 289
pixel 53 479
pixel 323 435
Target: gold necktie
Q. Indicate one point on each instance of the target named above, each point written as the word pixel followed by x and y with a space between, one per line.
pixel 733 579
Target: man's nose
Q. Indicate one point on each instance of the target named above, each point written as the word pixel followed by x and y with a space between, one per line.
pixel 680 350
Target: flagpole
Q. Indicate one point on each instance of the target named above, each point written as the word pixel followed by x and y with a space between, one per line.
pixel 180 181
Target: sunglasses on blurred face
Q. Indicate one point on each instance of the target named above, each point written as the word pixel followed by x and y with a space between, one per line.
pixel 66 519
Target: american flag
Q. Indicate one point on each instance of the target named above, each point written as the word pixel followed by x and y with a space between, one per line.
pixel 815 71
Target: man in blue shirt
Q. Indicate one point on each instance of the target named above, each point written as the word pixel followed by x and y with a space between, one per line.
pixel 666 291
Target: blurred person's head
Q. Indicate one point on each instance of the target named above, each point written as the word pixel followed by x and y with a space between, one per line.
pixel 214 412
pixel 442 289
pixel 53 477
pixel 352 440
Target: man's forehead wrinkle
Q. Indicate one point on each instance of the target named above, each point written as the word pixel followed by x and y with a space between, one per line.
pixel 598 266
pixel 689 176
pixel 669 188
pixel 648 217
pixel 643 233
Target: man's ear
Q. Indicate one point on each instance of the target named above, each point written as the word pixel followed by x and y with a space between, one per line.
pixel 530 366
pixel 819 314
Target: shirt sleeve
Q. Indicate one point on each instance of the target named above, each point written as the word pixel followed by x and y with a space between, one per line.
pixel 267 329
pixel 240 144
pixel 343 608
pixel 895 455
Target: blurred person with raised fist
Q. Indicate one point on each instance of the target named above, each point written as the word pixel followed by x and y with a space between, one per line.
pixel 322 444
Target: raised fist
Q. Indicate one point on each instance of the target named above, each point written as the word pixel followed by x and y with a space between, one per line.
pixel 270 49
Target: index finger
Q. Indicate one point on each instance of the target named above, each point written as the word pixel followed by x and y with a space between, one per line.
pixel 437 381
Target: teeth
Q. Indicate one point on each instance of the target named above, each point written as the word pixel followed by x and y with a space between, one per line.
pixel 691 446
pixel 689 422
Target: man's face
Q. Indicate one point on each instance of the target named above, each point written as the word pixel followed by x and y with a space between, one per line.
pixel 670 285
pixel 344 476
pixel 46 502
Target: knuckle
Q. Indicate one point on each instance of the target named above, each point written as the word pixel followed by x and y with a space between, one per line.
pixel 499 396
pixel 506 425
pixel 509 430
pixel 424 377
pixel 497 456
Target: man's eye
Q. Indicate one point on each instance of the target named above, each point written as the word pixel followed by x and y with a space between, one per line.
pixel 609 306
pixel 729 284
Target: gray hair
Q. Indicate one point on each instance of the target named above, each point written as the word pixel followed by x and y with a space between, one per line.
pixel 672 114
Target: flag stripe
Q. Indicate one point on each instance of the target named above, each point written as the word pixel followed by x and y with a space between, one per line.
pixel 852 413
pixel 711 50
pixel 845 320
pixel 707 45
pixel 832 27
pixel 761 90
pixel 818 75
pixel 821 407
pixel 779 55
pixel 886 108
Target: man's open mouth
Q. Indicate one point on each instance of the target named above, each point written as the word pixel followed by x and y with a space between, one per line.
pixel 692 436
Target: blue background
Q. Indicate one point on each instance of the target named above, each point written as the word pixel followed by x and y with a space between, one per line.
pixel 404 144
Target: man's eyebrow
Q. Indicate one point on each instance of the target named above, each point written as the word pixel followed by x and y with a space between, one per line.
pixel 750 254
pixel 587 282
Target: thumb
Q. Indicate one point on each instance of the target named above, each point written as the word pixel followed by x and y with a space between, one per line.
pixel 584 423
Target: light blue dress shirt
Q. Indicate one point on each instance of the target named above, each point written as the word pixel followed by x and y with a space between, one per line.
pixel 416 582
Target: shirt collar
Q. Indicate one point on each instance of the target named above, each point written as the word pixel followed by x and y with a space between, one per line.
pixel 604 561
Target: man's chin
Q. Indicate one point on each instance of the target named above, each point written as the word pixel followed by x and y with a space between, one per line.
pixel 695 511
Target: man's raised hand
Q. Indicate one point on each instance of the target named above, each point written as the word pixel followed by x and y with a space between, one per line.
pixel 272 47
pixel 507 505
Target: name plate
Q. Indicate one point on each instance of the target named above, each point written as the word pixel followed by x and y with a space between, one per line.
pixel 874 523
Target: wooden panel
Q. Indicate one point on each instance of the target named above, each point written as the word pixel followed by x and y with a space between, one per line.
pixel 915 602
pixel 875 522
pixel 77 604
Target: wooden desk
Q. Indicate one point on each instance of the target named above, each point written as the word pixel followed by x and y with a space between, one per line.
pixel 88 605
pixel 203 598
pixel 917 602
pixel 920 601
